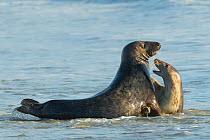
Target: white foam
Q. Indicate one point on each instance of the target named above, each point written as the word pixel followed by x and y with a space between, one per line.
pixel 16 115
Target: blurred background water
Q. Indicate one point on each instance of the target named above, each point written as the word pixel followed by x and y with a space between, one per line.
pixel 67 49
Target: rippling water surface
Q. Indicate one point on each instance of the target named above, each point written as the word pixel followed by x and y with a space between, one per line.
pixel 67 49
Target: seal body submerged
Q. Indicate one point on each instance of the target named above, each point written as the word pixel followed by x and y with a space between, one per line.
pixel 170 96
pixel 131 93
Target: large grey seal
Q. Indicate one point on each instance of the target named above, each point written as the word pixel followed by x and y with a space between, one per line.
pixel 170 97
pixel 131 93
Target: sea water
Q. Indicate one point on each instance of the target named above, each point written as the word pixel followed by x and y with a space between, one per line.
pixel 70 49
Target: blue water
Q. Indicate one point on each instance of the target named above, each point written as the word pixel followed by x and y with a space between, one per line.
pixel 68 49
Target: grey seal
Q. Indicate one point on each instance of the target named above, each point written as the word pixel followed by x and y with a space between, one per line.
pixel 170 96
pixel 131 93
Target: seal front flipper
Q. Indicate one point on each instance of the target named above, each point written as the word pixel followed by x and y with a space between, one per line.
pixel 150 110
pixel 159 88
pixel 145 111
pixel 156 83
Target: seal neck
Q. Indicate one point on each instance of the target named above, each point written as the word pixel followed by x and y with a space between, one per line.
pixel 129 63
pixel 145 63
pixel 143 59
pixel 172 85
pixel 133 67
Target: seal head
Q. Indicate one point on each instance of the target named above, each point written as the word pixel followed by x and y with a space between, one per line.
pixel 139 52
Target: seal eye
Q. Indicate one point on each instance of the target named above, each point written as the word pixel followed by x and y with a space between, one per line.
pixel 166 65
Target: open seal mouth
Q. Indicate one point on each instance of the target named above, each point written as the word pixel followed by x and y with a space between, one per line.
pixel 154 51
pixel 157 63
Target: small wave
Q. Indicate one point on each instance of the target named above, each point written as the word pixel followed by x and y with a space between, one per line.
pixel 192 2
pixel 97 1
pixel 195 112
pixel 3 4
pixel 24 2
pixel 86 122
pixel 18 116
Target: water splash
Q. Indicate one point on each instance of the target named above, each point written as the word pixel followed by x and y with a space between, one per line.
pixel 16 115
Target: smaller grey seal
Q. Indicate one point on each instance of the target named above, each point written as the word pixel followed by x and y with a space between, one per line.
pixel 170 97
